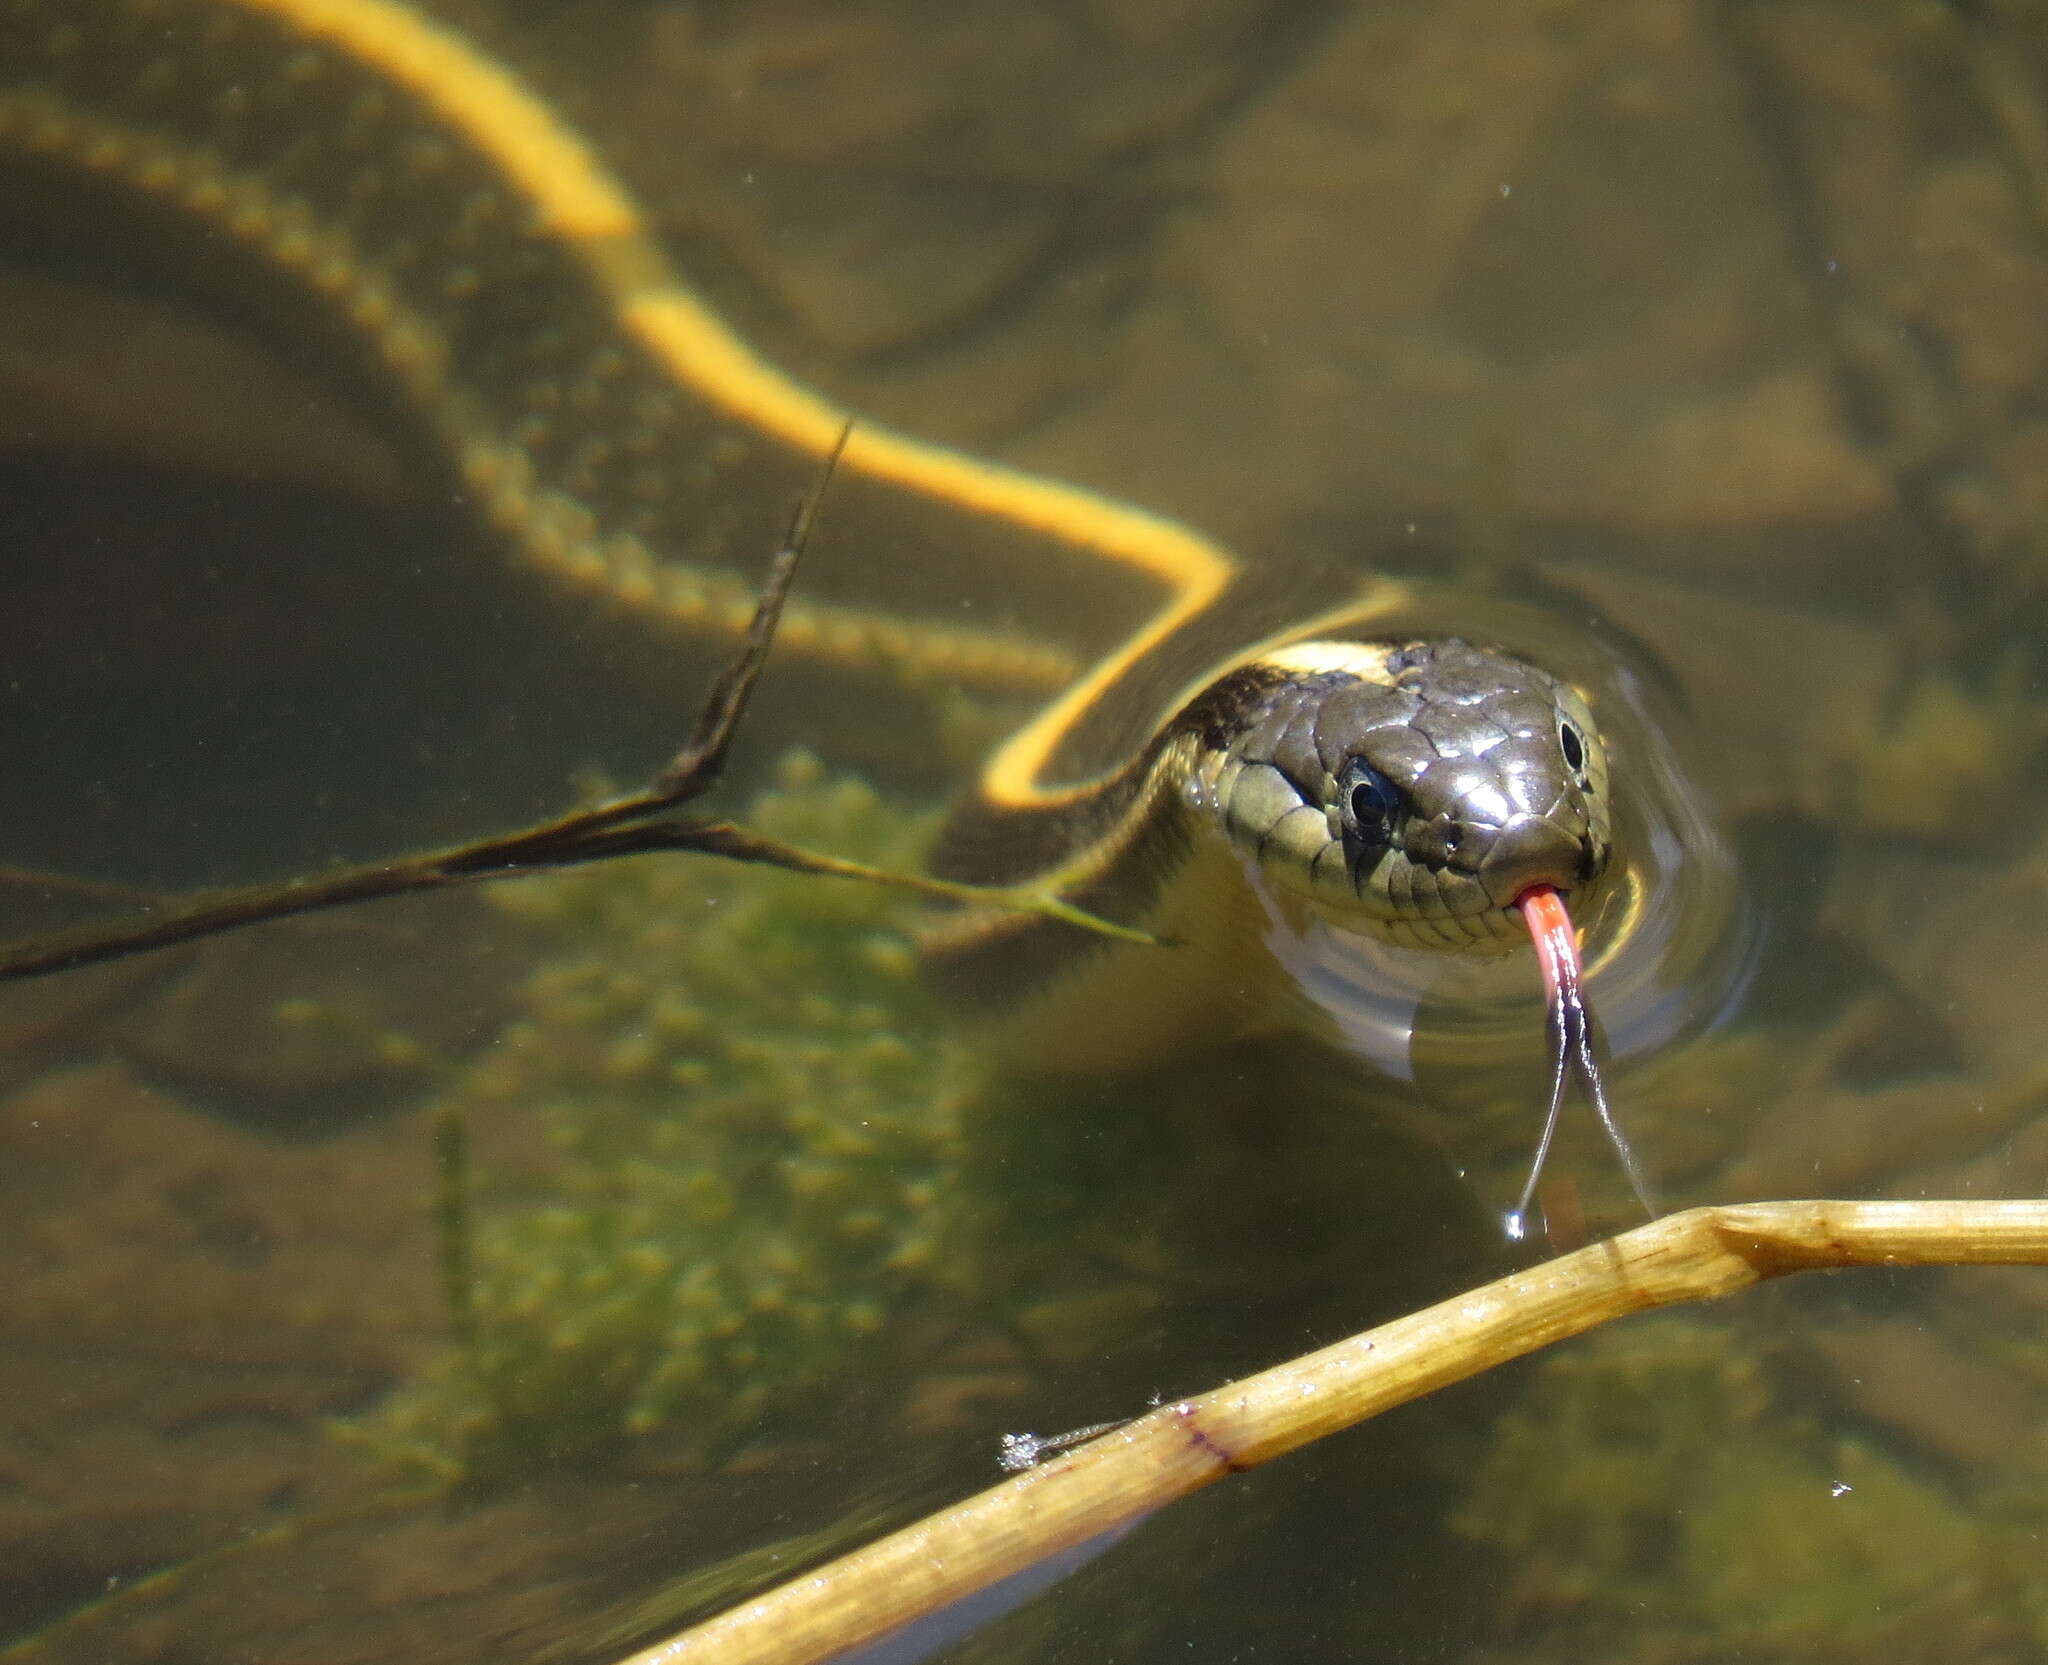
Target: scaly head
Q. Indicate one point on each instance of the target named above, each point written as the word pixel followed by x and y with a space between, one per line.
pixel 1433 795
pixel 1412 792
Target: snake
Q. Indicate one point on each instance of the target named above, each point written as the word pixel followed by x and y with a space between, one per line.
pixel 1268 802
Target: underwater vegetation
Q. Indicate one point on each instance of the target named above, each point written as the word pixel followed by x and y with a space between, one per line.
pixel 774 1174
pixel 1655 1493
pixel 755 1131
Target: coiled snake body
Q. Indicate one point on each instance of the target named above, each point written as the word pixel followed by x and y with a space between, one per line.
pixel 1407 790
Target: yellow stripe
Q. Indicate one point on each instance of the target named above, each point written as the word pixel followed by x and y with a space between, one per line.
pixel 550 179
pixel 571 200
pixel 578 202
pixel 553 168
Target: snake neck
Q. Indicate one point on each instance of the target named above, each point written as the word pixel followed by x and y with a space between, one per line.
pixel 1403 793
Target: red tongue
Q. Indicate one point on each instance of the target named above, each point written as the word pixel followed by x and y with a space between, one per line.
pixel 1571 1032
pixel 1557 944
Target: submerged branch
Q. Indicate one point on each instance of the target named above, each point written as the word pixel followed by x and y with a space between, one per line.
pixel 639 822
pixel 1093 1493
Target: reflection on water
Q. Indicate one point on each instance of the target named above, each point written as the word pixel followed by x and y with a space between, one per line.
pixel 1720 321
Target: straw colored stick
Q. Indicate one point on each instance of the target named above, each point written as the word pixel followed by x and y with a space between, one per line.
pixel 1179 1448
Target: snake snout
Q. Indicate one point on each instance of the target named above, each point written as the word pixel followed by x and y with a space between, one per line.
pixel 1534 850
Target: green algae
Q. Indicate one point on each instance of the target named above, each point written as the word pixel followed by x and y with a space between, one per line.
pixel 1654 1496
pixel 774 1171
pixel 755 1125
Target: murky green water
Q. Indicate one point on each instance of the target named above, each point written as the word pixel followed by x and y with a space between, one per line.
pixel 1719 323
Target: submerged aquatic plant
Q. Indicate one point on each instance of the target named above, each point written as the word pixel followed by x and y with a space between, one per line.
pixel 755 1132
pixel 1654 1497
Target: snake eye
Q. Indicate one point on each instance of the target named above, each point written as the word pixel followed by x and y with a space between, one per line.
pixel 1372 805
pixel 1574 747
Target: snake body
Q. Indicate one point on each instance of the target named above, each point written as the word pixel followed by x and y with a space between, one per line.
pixel 507 294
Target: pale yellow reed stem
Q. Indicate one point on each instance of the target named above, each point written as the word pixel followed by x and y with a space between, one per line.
pixel 1696 1256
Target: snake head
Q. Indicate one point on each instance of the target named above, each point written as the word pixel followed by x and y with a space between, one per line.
pixel 1410 791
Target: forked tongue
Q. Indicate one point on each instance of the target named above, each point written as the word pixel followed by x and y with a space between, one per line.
pixel 1571 1047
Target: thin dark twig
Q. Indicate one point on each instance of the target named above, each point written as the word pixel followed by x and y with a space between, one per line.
pixel 639 822
pixel 699 763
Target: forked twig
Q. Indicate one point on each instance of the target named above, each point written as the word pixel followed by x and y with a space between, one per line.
pixel 639 822
pixel 1112 1482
